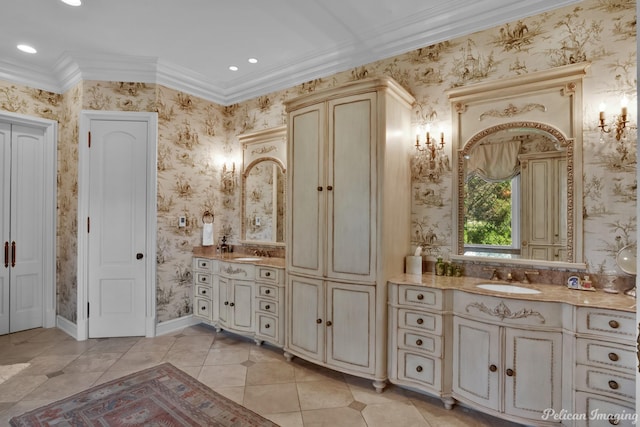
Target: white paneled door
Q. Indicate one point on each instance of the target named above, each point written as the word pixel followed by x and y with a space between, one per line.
pixel 22 216
pixel 117 227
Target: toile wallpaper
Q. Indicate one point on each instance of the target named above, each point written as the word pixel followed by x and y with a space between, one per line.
pixel 199 156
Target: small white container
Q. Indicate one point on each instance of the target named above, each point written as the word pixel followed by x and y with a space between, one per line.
pixel 413 265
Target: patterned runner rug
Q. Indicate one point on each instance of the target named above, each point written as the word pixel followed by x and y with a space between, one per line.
pixel 158 396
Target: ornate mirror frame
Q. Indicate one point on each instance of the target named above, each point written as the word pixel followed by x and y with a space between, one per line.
pixel 549 101
pixel 258 147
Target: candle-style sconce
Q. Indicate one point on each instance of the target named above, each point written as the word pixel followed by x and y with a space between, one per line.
pixel 620 123
pixel 430 159
pixel 228 179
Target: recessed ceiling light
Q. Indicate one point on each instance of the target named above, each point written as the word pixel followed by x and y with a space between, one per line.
pixel 253 61
pixel 233 68
pixel 26 48
pixel 72 2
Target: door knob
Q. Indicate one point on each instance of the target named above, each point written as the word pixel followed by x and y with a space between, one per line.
pixel 139 255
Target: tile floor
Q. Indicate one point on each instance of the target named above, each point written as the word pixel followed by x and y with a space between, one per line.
pixel 290 394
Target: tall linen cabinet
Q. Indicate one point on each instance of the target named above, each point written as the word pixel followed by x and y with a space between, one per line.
pixel 348 222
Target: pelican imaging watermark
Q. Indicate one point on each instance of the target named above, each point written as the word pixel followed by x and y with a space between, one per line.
pixel 595 414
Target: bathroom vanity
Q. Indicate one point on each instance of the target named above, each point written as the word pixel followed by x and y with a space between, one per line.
pixel 518 355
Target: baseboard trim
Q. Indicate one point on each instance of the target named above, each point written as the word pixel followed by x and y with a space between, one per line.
pixel 174 325
pixel 67 326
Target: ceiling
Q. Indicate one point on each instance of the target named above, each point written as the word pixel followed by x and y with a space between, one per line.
pixel 189 45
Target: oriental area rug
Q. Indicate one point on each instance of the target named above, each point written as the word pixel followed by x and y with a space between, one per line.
pixel 159 396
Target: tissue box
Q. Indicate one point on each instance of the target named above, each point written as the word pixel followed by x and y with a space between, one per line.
pixel 413 265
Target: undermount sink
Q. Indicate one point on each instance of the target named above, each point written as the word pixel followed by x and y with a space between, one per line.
pixel 247 258
pixel 512 289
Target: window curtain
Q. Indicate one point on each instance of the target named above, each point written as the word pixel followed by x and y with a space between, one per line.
pixel 494 162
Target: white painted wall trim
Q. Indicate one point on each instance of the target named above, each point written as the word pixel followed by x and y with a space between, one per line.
pixel 83 211
pixel 175 325
pixel 50 128
pixel 67 326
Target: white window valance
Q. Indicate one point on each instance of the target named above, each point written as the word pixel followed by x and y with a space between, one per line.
pixel 494 162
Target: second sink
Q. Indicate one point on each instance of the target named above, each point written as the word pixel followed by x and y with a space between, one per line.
pixel 512 289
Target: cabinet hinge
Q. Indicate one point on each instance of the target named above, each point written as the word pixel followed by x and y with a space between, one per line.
pixel 88 224
pixel 88 305
pixel 89 139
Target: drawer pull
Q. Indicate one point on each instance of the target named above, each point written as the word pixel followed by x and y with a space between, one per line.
pixel 420 297
pixel 493 368
pixel 267 326
pixel 510 372
pixel 203 308
pixel 329 323
pixel 203 279
pixel 319 321
pixel 268 291
pixel 613 357
pixel 419 368
pixel 267 307
pixel 614 324
pixel 418 342
pixel 613 385
pixel 267 274
pixel 613 420
pixel 420 321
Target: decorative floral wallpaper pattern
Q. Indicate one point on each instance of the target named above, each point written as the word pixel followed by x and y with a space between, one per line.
pixel 198 149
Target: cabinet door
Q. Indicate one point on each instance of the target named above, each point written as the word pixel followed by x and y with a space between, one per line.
pixel 224 290
pixel 532 372
pixel 351 326
pixel 351 181
pixel 476 362
pixel 241 305
pixel 306 322
pixel 306 190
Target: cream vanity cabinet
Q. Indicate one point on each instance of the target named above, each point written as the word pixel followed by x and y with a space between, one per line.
pixel 605 369
pixel 205 300
pixel 420 319
pixel 348 221
pixel 544 202
pixel 236 301
pixel 507 355
pixel 269 306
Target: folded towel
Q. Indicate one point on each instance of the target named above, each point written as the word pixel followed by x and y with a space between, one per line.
pixel 207 234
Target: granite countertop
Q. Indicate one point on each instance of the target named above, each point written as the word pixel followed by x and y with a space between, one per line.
pixel 210 253
pixel 550 293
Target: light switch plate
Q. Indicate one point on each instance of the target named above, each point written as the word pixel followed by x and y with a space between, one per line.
pixel 182 221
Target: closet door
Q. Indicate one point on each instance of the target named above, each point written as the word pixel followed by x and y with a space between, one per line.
pixel 5 175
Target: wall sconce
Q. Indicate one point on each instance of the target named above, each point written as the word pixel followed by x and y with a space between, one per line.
pixel 228 179
pixel 620 123
pixel 430 160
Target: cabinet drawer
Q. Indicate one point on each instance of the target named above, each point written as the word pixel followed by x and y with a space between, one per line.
pixel 204 291
pixel 415 367
pixel 234 270
pixel 268 326
pixel 601 381
pixel 429 344
pixel 267 274
pixel 608 323
pixel 203 264
pixel 508 311
pixel 203 278
pixel 420 297
pixel 202 308
pixel 267 291
pixel 599 411
pixel 268 306
pixel 428 322
pixel 606 355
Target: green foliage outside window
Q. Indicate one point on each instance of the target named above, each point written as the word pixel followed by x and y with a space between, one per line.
pixel 487 207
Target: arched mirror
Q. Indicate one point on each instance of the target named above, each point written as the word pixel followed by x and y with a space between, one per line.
pixel 263 187
pixel 518 180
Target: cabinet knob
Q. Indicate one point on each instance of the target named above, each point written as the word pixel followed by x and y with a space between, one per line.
pixel 418 342
pixel 419 368
pixel 613 420
pixel 493 368
pixel 267 291
pixel 268 273
pixel 614 324
pixel 329 187
pixel 613 385
pixel 329 323
pixel 203 308
pixel 267 326
pixel 226 303
pixel 267 307
pixel 419 321
pixel 510 372
pixel 204 292
pixel 319 188
pixel 203 279
pixel 420 297
pixel 231 304
pixel 613 357
pixel 319 321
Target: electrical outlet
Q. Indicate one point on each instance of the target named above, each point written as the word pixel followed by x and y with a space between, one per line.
pixel 182 221
pixel 258 221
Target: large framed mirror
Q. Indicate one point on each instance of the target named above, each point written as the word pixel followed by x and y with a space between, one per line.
pixel 518 180
pixel 263 187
